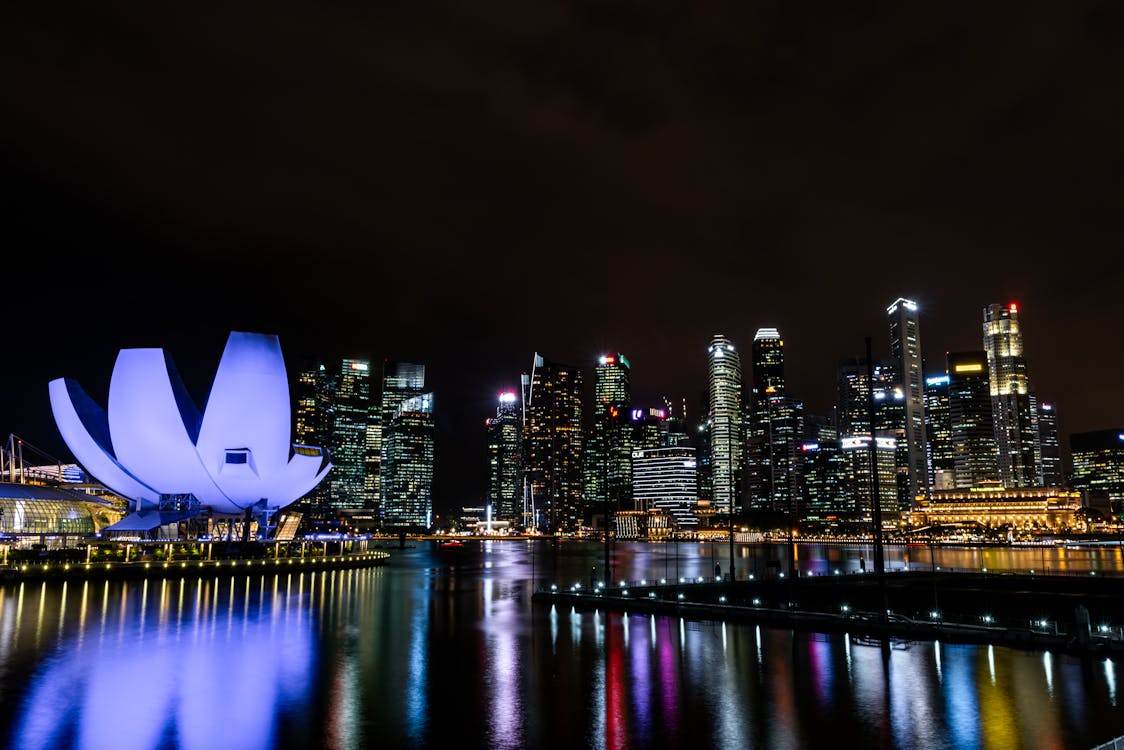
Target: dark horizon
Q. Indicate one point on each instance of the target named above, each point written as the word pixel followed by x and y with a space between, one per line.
pixel 464 187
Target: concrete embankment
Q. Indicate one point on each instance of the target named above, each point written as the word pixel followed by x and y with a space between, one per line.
pixel 189 568
pixel 1080 614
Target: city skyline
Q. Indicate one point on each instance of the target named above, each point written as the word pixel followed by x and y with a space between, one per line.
pixel 465 194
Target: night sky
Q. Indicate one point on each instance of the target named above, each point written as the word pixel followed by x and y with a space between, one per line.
pixel 463 184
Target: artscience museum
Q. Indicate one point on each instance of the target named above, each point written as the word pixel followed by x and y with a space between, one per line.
pixel 232 460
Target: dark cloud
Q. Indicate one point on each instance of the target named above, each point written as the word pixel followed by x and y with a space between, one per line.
pixel 464 185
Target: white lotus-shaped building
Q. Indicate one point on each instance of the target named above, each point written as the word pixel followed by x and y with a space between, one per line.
pixel 153 445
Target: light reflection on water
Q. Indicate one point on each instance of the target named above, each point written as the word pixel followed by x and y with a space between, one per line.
pixel 438 645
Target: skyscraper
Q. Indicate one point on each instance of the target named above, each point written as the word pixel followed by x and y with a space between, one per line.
pixel 350 405
pixel 407 464
pixel 313 396
pixel 400 381
pixel 609 469
pixel 775 430
pixel 1050 456
pixel 725 423
pixel 970 420
pixel 552 444
pixel 940 451
pixel 1015 422
pixel 505 460
pixel 905 351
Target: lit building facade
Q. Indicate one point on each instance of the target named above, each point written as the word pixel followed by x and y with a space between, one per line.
pixel 313 424
pixel 407 464
pixel 1050 452
pixel 1098 464
pixel 666 479
pixel 856 453
pixel 775 429
pixel 824 471
pixel 939 448
pixel 505 460
pixel 970 420
pixel 725 425
pixel 905 351
pixel 609 465
pixel 351 395
pixel 1024 509
pixel 552 445
pixel 1015 422
pixel 400 381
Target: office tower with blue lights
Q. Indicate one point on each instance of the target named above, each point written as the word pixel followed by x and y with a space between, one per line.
pixel 905 352
pixel 775 430
pixel 666 479
pixel 970 420
pixel 855 394
pixel 408 439
pixel 552 445
pixel 1098 466
pixel 1015 420
pixel 939 448
pixel 505 460
pixel 351 395
pixel 724 424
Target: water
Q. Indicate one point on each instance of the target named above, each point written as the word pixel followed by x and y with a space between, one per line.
pixel 442 648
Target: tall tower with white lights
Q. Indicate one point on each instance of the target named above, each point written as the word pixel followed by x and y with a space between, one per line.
pixel 905 351
pixel 725 423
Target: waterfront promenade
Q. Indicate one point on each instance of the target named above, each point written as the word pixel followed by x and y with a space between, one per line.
pixel 1072 613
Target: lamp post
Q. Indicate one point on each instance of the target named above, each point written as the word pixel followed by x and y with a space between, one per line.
pixel 879 560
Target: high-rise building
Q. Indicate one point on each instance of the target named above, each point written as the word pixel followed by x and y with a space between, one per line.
pixel 666 479
pixel 823 470
pixel 505 460
pixel 313 396
pixel 724 421
pixel 856 452
pixel 970 420
pixel 609 468
pixel 351 397
pixel 853 389
pixel 1050 455
pixel 905 351
pixel 552 444
pixel 407 464
pixel 1015 422
pixel 939 448
pixel 1098 464
pixel 400 381
pixel 775 429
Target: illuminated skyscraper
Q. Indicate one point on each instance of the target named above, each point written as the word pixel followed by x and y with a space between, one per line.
pixel 775 429
pixel 400 381
pixel 505 460
pixel 1050 455
pixel 313 396
pixel 351 397
pixel 609 465
pixel 407 464
pixel 1098 464
pixel 905 351
pixel 552 444
pixel 970 420
pixel 940 451
pixel 725 423
pixel 824 471
pixel 1016 424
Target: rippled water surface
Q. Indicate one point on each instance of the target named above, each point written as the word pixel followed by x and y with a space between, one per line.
pixel 443 648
